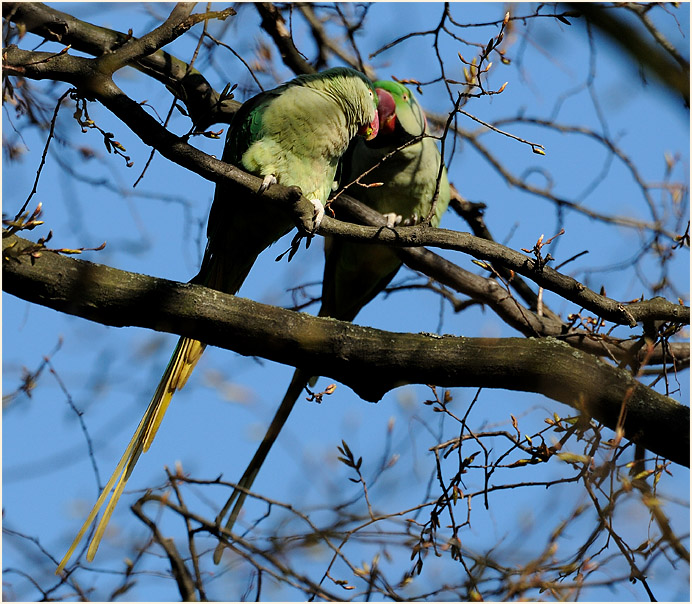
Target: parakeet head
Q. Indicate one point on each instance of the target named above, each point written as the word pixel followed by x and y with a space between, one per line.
pixel 398 106
pixel 354 92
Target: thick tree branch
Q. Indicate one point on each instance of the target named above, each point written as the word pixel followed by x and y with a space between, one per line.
pixel 370 361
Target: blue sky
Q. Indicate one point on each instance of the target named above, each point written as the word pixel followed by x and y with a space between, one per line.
pixel 213 426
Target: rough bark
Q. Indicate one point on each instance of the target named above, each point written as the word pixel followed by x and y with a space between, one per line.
pixel 370 361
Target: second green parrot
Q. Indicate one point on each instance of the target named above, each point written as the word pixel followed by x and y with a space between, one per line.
pixel 355 273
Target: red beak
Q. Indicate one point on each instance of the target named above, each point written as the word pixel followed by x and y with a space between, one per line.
pixel 387 111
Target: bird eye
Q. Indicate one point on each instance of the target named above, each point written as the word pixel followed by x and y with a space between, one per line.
pixel 405 97
pixel 370 93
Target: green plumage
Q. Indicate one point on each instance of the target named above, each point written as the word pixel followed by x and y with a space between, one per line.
pixel 354 272
pixel 295 133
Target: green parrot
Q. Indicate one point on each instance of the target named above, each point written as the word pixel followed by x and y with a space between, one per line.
pixel 354 273
pixel 294 134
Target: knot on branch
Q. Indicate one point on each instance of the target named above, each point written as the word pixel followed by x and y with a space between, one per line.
pixel 293 194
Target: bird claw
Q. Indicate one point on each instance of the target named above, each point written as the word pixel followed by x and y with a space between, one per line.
pixel 410 221
pixel 269 180
pixel 392 219
pixel 318 214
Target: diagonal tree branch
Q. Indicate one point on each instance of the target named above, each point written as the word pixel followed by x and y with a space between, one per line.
pixel 134 49
pixel 204 105
pixel 182 576
pixel 489 292
pixel 82 73
pixel 275 25
pixel 670 71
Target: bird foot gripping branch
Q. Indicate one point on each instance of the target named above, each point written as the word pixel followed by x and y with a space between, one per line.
pixel 318 212
pixel 268 181
pixel 393 219
pixel 318 215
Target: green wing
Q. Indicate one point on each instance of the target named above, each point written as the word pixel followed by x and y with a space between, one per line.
pixel 246 125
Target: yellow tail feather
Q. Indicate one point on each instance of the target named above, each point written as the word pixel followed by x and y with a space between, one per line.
pixel 183 361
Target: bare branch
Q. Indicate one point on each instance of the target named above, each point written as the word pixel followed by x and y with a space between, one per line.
pixel 672 73
pixel 203 103
pixel 273 23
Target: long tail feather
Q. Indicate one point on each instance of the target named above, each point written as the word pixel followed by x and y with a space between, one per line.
pixel 183 361
pixel 106 490
pixel 299 381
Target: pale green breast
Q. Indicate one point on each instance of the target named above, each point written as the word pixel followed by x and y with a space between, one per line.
pixel 301 147
pixel 409 179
